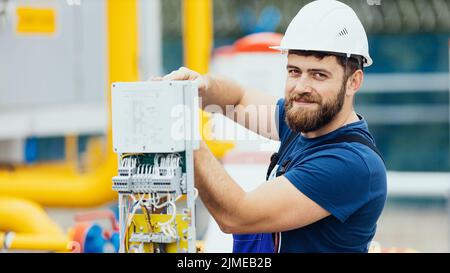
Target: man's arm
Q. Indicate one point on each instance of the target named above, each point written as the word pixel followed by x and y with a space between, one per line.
pixel 255 110
pixel 272 207
pixel 252 109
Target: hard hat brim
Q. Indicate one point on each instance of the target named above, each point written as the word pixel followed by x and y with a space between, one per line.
pixel 367 63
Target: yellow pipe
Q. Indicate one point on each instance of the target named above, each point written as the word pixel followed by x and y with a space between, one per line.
pixel 31 227
pixel 123 46
pixel 197 34
pixel 25 216
pixel 37 242
pixel 62 186
pixel 62 189
pixel 197 44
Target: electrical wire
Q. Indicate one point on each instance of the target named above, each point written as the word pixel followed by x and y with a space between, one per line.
pixel 129 154
pixel 163 167
pixel 166 227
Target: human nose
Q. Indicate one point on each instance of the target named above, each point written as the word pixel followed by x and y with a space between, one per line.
pixel 303 84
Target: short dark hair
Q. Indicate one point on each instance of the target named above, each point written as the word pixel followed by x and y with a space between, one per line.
pixel 349 64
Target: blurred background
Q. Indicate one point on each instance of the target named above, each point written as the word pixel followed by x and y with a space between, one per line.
pixel 58 57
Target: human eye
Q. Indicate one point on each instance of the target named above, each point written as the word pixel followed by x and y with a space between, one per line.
pixel 293 72
pixel 320 76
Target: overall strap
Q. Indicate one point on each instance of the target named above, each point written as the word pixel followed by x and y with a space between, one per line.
pixel 350 138
pixel 276 156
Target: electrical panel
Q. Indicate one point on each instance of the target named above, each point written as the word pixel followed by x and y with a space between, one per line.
pixel 155 131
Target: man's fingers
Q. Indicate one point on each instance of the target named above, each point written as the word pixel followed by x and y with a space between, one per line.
pixel 182 74
pixel 156 78
pixel 176 75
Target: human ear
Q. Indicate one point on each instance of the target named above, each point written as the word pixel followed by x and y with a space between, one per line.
pixel 354 82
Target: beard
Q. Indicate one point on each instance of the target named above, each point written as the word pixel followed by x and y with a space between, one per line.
pixel 304 120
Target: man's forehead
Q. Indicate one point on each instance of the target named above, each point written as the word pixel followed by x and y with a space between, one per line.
pixel 311 62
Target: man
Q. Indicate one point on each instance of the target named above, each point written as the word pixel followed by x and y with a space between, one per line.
pixel 329 185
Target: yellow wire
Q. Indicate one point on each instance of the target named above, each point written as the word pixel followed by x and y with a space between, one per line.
pixel 129 154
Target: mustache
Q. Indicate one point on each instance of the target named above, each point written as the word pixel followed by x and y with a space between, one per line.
pixel 306 97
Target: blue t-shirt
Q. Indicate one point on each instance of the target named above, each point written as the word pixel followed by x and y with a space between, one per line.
pixel 346 179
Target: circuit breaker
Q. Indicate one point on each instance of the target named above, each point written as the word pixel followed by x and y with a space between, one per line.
pixel 155 131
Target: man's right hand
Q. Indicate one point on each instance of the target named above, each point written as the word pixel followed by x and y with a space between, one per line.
pixel 186 74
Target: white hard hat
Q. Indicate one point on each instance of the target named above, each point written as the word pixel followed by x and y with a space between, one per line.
pixel 329 26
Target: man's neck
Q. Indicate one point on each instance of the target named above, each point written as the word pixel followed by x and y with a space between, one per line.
pixel 341 119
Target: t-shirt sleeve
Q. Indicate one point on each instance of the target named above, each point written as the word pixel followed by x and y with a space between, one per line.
pixel 336 179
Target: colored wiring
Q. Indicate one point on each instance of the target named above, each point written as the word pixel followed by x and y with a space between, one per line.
pixel 163 167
